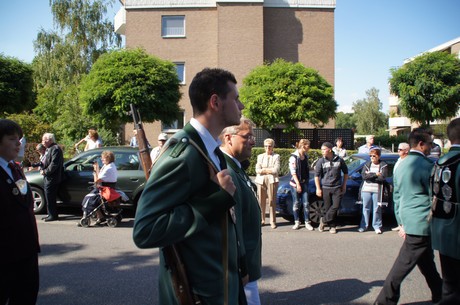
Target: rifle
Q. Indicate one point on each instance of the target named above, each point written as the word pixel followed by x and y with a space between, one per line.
pixel 142 141
pixel 171 255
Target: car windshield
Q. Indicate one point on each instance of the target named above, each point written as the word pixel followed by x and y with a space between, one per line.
pixel 353 163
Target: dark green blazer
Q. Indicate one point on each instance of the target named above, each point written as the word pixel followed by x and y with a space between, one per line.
pixel 248 218
pixel 181 205
pixel 445 233
pixel 412 194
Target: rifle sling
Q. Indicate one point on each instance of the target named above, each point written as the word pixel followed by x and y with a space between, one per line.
pixel 214 170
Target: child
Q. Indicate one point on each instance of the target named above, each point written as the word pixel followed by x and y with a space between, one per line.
pixel 18 228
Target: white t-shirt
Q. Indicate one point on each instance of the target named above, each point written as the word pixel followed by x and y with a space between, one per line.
pixel 108 173
pixel 91 144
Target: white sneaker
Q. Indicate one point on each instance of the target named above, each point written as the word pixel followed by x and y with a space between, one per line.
pixel 309 227
pixel 333 230
pixel 296 225
pixel 378 231
pixel 321 225
pixel 396 228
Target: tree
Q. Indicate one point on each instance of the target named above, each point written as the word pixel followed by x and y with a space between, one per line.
pixel 122 77
pixel 16 85
pixel 428 87
pixel 64 56
pixel 345 120
pixel 369 119
pixel 286 93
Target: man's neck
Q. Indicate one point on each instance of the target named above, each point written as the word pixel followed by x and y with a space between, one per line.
pixel 210 124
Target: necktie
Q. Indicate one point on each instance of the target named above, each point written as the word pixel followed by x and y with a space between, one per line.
pixel 220 155
pixel 14 171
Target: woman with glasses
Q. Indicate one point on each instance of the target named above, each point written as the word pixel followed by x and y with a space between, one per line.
pixel 374 173
pixel 267 169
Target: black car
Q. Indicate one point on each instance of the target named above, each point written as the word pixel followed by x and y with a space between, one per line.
pixel 79 177
pixel 349 204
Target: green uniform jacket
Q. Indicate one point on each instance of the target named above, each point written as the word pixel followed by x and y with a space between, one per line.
pixel 248 220
pixel 181 205
pixel 412 194
pixel 445 233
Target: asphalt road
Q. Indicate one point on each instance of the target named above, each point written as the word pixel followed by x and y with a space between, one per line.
pixel 101 265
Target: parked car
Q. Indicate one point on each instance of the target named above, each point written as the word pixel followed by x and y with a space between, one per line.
pixel 79 177
pixel 348 205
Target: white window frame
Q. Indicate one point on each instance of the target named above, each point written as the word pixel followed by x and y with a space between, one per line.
pixel 173 30
pixel 180 70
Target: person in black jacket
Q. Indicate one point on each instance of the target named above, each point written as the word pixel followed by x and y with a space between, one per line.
pixel 19 246
pixel 374 173
pixel 53 173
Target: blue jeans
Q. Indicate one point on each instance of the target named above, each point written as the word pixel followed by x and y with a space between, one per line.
pixel 377 210
pixel 300 199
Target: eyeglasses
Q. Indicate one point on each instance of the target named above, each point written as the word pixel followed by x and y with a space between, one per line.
pixel 248 137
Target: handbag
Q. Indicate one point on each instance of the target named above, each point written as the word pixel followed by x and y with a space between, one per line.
pixel 109 193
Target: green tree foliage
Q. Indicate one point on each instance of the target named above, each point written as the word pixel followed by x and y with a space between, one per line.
pixel 31 125
pixel 64 56
pixel 345 120
pixel 124 77
pixel 369 119
pixel 16 85
pixel 284 93
pixel 428 87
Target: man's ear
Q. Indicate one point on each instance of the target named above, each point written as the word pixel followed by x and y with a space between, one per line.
pixel 213 102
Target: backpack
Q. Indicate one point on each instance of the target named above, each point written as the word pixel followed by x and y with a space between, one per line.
pixel 445 198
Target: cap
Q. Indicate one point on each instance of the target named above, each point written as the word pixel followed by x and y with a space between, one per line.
pixel 162 137
pixel 328 145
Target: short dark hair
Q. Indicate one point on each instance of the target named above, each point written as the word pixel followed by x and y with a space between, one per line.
pixel 417 135
pixel 9 127
pixel 453 131
pixel 376 151
pixel 206 83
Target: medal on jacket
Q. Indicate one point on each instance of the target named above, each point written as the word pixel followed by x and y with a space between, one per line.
pixel 21 187
pixel 446 190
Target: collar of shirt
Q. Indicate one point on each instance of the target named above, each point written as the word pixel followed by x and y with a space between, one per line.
pixel 234 160
pixel 4 165
pixel 417 151
pixel 209 142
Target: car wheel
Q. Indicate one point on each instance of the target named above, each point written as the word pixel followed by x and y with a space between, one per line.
pixel 39 200
pixel 316 210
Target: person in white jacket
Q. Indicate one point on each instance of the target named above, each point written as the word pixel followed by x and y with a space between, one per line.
pixel 267 169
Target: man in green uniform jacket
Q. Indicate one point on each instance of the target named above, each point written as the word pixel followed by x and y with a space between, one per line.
pixel 184 202
pixel 412 199
pixel 237 143
pixel 445 234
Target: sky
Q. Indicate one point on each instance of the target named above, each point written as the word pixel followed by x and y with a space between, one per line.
pixel 371 37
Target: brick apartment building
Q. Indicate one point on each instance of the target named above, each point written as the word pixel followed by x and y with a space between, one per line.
pixel 236 35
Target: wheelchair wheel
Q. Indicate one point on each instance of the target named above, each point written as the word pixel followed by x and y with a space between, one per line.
pixel 112 222
pixel 85 222
pixel 119 217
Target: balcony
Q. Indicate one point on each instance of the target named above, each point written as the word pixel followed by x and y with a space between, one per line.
pixel 399 122
pixel 119 22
